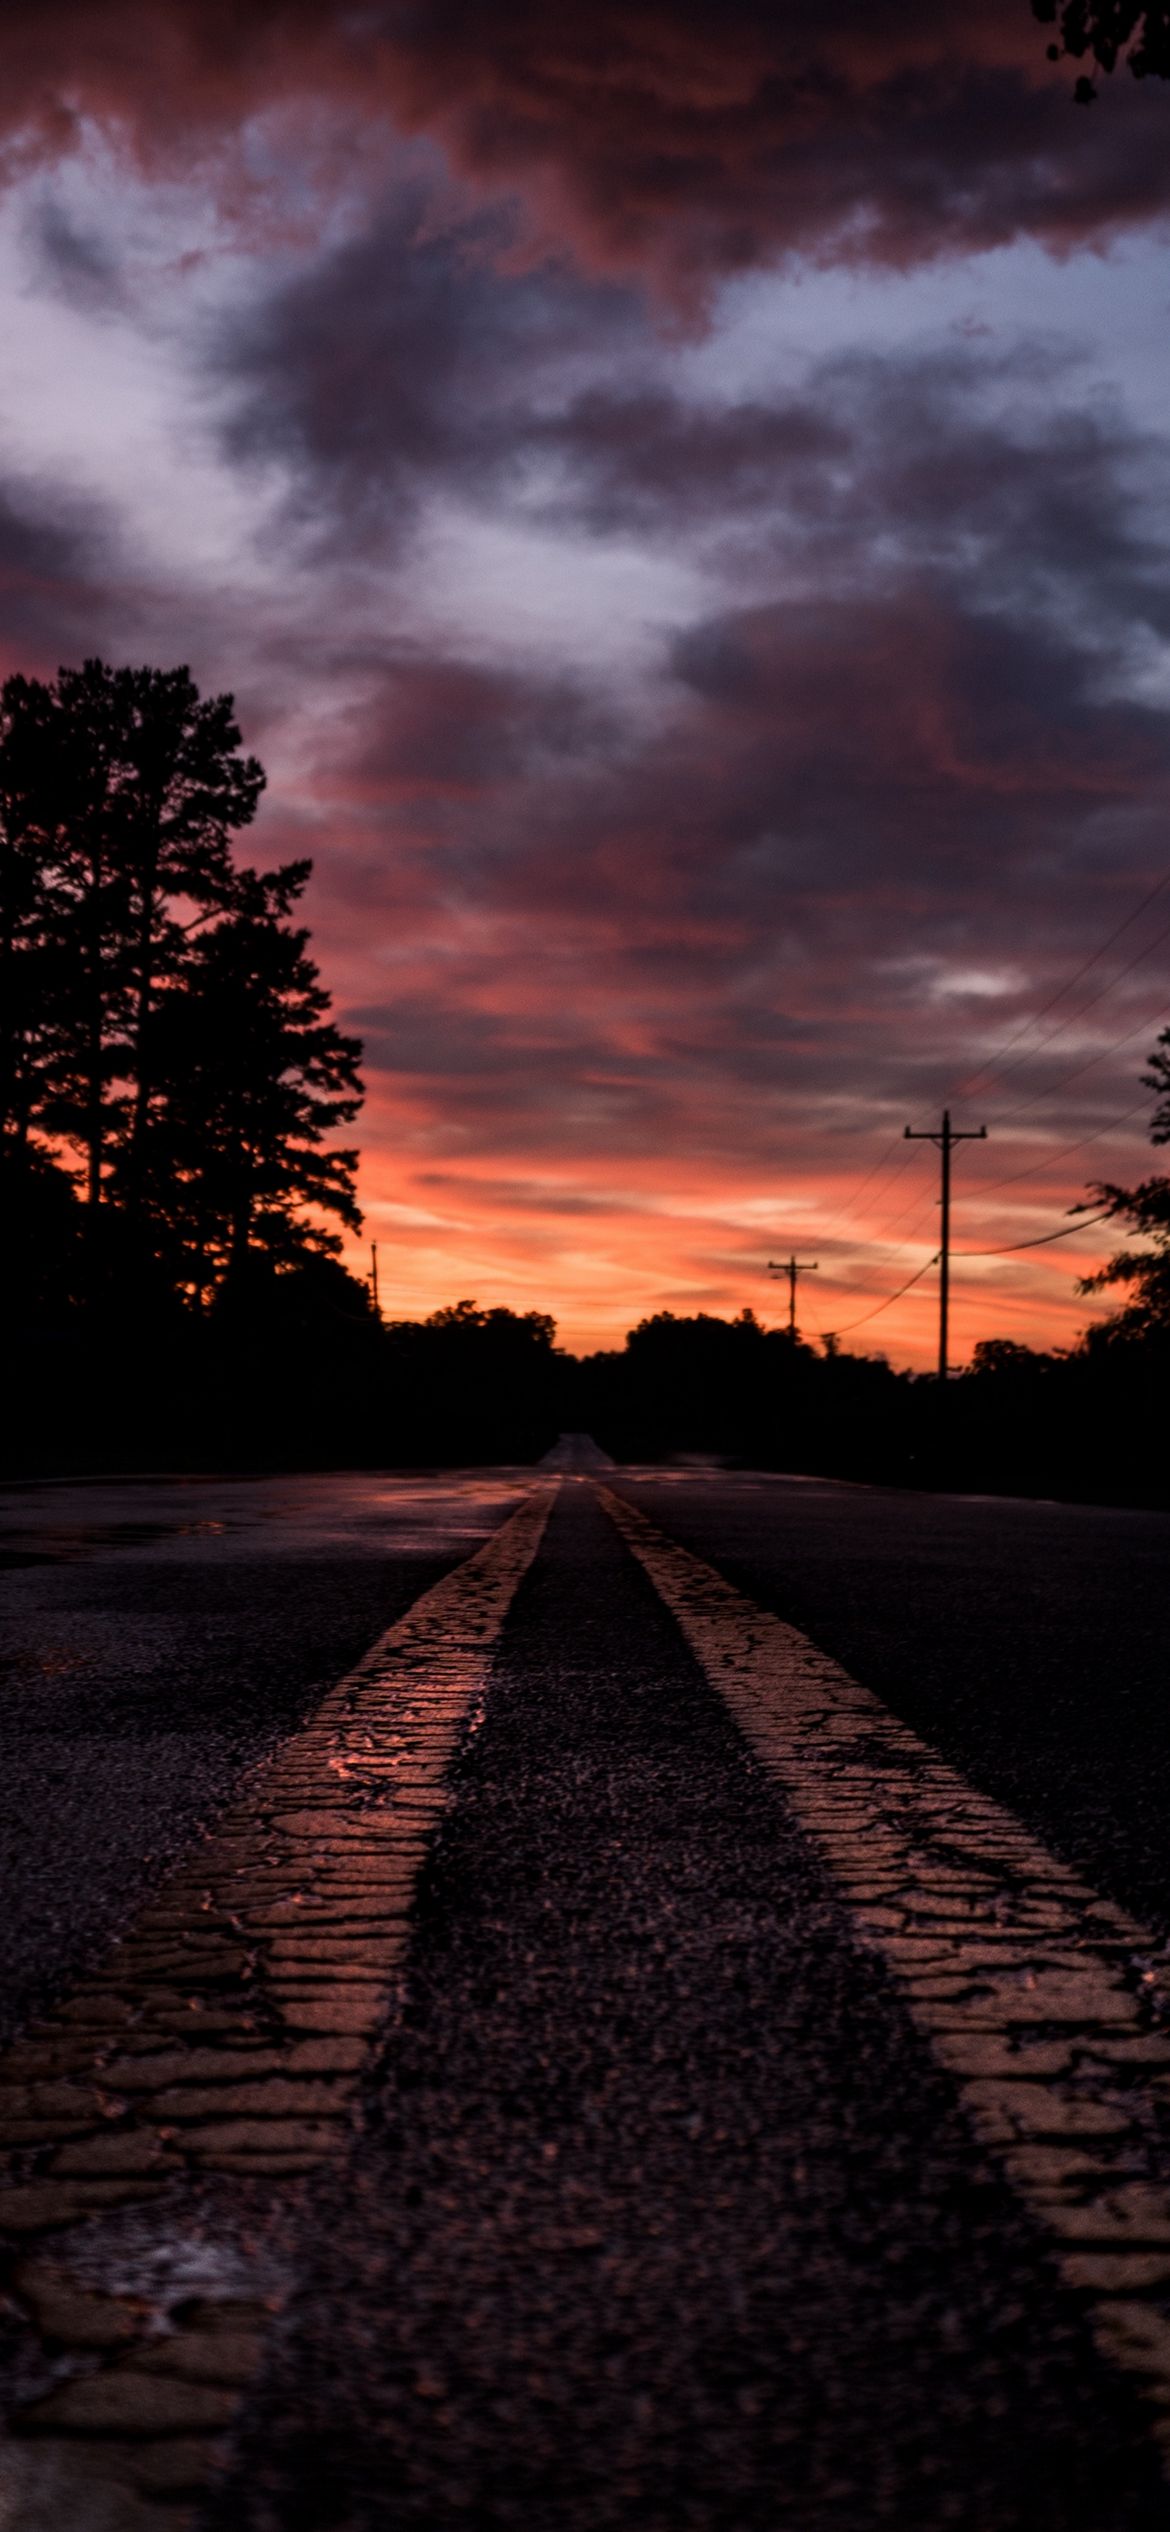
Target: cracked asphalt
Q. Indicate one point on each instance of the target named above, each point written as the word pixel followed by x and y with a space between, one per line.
pixel 658 2210
pixel 662 2216
pixel 1029 1642
pixel 158 1638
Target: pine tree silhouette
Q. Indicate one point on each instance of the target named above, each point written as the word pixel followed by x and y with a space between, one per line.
pixel 250 1076
pixel 120 790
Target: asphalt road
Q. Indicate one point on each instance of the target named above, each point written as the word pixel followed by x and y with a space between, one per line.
pixel 667 2219
pixel 1029 1642
pixel 156 1638
pixel 659 2214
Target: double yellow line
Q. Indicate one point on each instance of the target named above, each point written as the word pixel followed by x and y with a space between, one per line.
pixel 221 2042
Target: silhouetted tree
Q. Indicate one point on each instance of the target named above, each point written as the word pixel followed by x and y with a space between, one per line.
pixel 1108 31
pixel 250 1075
pixel 512 1329
pixel 469 1383
pixel 1146 1209
pixel 120 790
pixel 1003 1357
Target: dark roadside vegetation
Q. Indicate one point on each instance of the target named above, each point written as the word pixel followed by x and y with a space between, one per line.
pixel 173 1094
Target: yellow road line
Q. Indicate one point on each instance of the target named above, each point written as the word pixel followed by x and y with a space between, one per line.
pixel 1035 1993
pixel 219 2045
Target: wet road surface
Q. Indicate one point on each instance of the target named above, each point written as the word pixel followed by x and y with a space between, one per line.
pixel 1030 1642
pixel 157 1638
pixel 653 2203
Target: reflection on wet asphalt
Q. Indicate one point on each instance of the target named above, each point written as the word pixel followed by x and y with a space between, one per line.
pixel 158 1637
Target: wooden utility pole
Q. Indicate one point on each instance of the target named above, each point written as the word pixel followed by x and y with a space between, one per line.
pixel 374 1279
pixel 945 1139
pixel 792 1267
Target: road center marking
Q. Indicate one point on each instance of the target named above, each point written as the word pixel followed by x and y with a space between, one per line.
pixel 219 2045
pixel 1038 1996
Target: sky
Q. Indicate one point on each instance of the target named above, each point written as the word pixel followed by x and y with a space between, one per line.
pixel 678 494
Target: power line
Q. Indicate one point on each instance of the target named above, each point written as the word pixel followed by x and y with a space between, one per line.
pixel 814 1313
pixel 916 1278
pixel 1091 1061
pixel 894 1146
pixel 1023 1105
pixel 964 1088
pixel 1015 1177
pixel 883 1237
pixel 1073 1016
pixel 909 1242
pixel 1066 1150
pixel 995 1063
pixel 1043 1242
pixel 1011 1180
pixel 890 1298
pixel 989 1304
pixel 1013 1250
pixel 843 1213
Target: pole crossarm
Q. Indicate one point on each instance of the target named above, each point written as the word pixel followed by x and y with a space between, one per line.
pixel 944 1138
pixel 792 1267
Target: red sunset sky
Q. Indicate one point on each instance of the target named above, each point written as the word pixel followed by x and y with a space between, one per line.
pixel 679 496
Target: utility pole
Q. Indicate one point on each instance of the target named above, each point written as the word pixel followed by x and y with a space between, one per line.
pixel 792 1267
pixel 945 1139
pixel 374 1279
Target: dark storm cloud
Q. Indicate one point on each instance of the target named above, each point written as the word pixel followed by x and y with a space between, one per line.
pixel 675 133
pixel 405 363
pixel 55 556
pixel 994 473
pixel 901 750
pixel 995 476
pixel 399 360
pixel 645 461
pixel 708 135
pixel 454 727
pixel 950 562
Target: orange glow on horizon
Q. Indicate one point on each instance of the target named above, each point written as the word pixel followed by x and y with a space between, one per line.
pixel 603 1245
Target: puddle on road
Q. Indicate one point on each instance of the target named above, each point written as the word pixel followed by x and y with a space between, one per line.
pixel 165 2257
pixel 397 1517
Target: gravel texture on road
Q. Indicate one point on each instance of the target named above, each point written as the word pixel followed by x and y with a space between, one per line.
pixel 155 1640
pixel 662 2219
pixel 1029 1642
